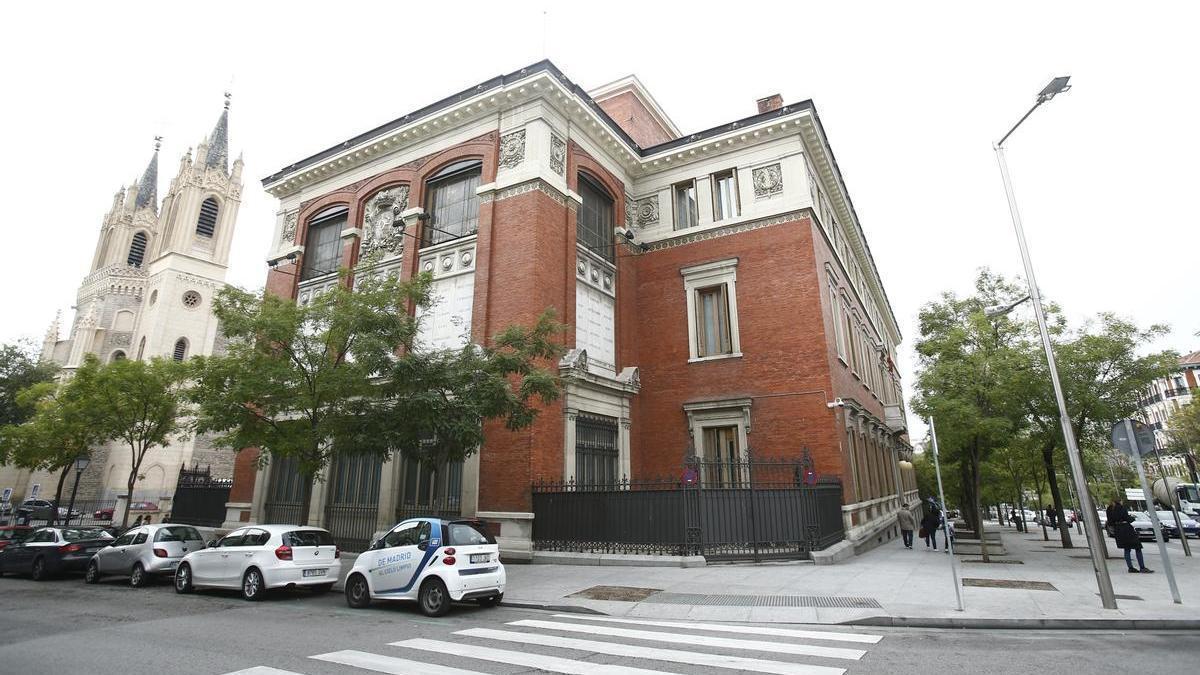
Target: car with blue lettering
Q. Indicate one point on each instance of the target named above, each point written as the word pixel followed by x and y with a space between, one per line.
pixel 432 561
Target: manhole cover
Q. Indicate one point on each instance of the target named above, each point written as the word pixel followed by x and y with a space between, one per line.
pixel 621 593
pixel 844 602
pixel 994 562
pixel 1009 583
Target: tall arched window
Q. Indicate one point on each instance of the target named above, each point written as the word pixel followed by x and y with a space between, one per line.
pixel 207 222
pixel 141 347
pixel 137 250
pixel 595 220
pixel 452 202
pixel 181 347
pixel 323 242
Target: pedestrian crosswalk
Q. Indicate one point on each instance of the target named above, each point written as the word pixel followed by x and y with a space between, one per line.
pixel 640 647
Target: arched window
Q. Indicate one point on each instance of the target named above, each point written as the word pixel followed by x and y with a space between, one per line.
pixel 207 222
pixel 323 242
pixel 137 250
pixel 181 347
pixel 141 347
pixel 452 202
pixel 595 220
pixel 117 356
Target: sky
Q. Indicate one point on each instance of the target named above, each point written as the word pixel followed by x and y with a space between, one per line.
pixel 912 96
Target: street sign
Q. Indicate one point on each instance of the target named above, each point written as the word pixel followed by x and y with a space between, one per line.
pixel 6 495
pixel 35 491
pixel 1143 433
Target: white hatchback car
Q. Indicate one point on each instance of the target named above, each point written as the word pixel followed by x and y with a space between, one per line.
pixel 432 561
pixel 145 552
pixel 260 557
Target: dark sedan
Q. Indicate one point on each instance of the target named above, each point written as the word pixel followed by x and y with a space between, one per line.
pixel 49 551
pixel 13 534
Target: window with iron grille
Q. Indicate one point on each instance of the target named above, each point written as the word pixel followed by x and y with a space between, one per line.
pixel 437 487
pixel 323 243
pixel 137 250
pixel 355 480
pixel 180 352
pixel 452 203
pixel 207 222
pixel 595 218
pixel 596 453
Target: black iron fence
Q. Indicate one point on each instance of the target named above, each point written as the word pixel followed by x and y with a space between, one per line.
pixel 199 498
pixel 99 513
pixel 741 509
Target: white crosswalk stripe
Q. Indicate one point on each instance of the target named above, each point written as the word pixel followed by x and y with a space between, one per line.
pixel 654 653
pixel 724 628
pixel 640 645
pixel 697 640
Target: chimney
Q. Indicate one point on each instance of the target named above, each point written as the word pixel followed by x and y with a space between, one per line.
pixel 772 102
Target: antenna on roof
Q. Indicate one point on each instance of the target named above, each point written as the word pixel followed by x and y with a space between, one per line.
pixel 544 33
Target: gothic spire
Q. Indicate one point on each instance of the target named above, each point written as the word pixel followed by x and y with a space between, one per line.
pixel 218 149
pixel 147 189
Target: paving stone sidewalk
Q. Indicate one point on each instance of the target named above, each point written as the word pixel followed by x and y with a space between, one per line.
pixel 889 584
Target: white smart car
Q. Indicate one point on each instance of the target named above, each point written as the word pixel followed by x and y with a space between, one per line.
pixel 260 557
pixel 432 561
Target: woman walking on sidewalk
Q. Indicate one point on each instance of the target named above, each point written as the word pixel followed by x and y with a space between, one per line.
pixel 907 525
pixel 1127 537
pixel 929 526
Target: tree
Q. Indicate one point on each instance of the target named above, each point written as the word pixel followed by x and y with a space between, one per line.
pixel 1184 434
pixel 140 403
pixel 345 374
pixel 60 431
pixel 19 370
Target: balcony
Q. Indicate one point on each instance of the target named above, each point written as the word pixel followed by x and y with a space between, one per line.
pixel 894 418
pixel 1172 393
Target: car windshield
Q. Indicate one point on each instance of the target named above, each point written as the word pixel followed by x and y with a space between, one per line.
pixel 1140 515
pixel 80 534
pixel 178 533
pixel 467 534
pixel 308 538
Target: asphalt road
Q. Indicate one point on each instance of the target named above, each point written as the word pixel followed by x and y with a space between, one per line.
pixel 65 626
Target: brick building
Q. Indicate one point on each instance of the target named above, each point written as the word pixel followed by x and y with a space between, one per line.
pixel 719 287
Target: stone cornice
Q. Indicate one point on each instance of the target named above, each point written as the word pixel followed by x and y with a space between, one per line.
pixel 725 231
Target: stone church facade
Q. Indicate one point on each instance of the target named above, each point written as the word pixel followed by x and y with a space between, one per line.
pixel 718 286
pixel 157 266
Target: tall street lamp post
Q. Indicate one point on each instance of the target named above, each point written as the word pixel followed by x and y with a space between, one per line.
pixel 1094 537
pixel 81 463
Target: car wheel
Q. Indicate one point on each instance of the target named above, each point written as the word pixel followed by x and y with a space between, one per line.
pixel 138 577
pixel 92 576
pixel 490 601
pixel 253 586
pixel 183 579
pixel 358 594
pixel 38 571
pixel 433 598
pixel 321 589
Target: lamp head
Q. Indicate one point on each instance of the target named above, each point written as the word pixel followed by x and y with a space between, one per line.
pixel 81 463
pixel 1057 86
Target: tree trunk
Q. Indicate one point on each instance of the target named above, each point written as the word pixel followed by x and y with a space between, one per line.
pixel 1042 516
pixel 1048 461
pixel 968 493
pixel 62 477
pixel 133 474
pixel 999 514
pixel 976 484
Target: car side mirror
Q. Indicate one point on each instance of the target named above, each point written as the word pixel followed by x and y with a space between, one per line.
pixel 423 545
pixel 211 544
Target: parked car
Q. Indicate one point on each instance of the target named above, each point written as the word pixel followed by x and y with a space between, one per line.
pixel 40 509
pixel 1145 526
pixel 49 551
pixel 106 513
pixel 255 559
pixel 12 534
pixel 144 552
pixel 1190 527
pixel 432 561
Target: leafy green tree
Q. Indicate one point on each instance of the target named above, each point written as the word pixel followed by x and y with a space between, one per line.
pixel 344 374
pixel 139 403
pixel 19 370
pixel 1184 434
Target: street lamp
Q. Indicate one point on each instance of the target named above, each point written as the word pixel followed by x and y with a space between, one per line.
pixel 81 464
pixel 1094 537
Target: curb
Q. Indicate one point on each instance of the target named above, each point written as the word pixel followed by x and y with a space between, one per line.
pixel 570 609
pixel 1027 624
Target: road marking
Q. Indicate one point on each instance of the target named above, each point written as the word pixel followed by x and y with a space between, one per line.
pixel 699 640
pixel 723 628
pixel 389 664
pixel 263 670
pixel 552 664
pixel 653 653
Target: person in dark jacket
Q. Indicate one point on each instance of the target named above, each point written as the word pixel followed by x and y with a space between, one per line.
pixel 929 525
pixel 1127 537
pixel 907 522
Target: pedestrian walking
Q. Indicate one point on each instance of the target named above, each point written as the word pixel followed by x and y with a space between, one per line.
pixel 1127 537
pixel 907 525
pixel 929 527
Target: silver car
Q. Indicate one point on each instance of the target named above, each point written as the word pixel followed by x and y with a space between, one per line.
pixel 145 552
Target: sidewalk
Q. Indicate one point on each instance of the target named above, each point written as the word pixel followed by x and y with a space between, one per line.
pixel 889 585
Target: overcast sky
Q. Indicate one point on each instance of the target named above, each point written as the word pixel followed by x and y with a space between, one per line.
pixel 912 100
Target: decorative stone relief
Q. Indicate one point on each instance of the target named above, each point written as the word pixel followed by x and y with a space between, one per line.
pixel 379 230
pixel 647 211
pixel 630 212
pixel 558 155
pixel 120 339
pixel 288 234
pixel 512 149
pixel 768 181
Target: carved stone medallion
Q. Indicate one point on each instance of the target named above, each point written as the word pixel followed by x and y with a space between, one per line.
pixel 647 211
pixel 768 180
pixel 379 230
pixel 288 234
pixel 512 149
pixel 558 155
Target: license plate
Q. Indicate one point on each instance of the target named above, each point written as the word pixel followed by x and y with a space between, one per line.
pixel 315 573
pixel 480 557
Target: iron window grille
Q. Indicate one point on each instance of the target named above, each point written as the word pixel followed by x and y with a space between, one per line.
pixel 323 243
pixel 596 450
pixel 595 222
pixel 452 203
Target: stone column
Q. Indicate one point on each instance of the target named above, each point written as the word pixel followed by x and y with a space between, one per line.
pixel 470 486
pixel 389 492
